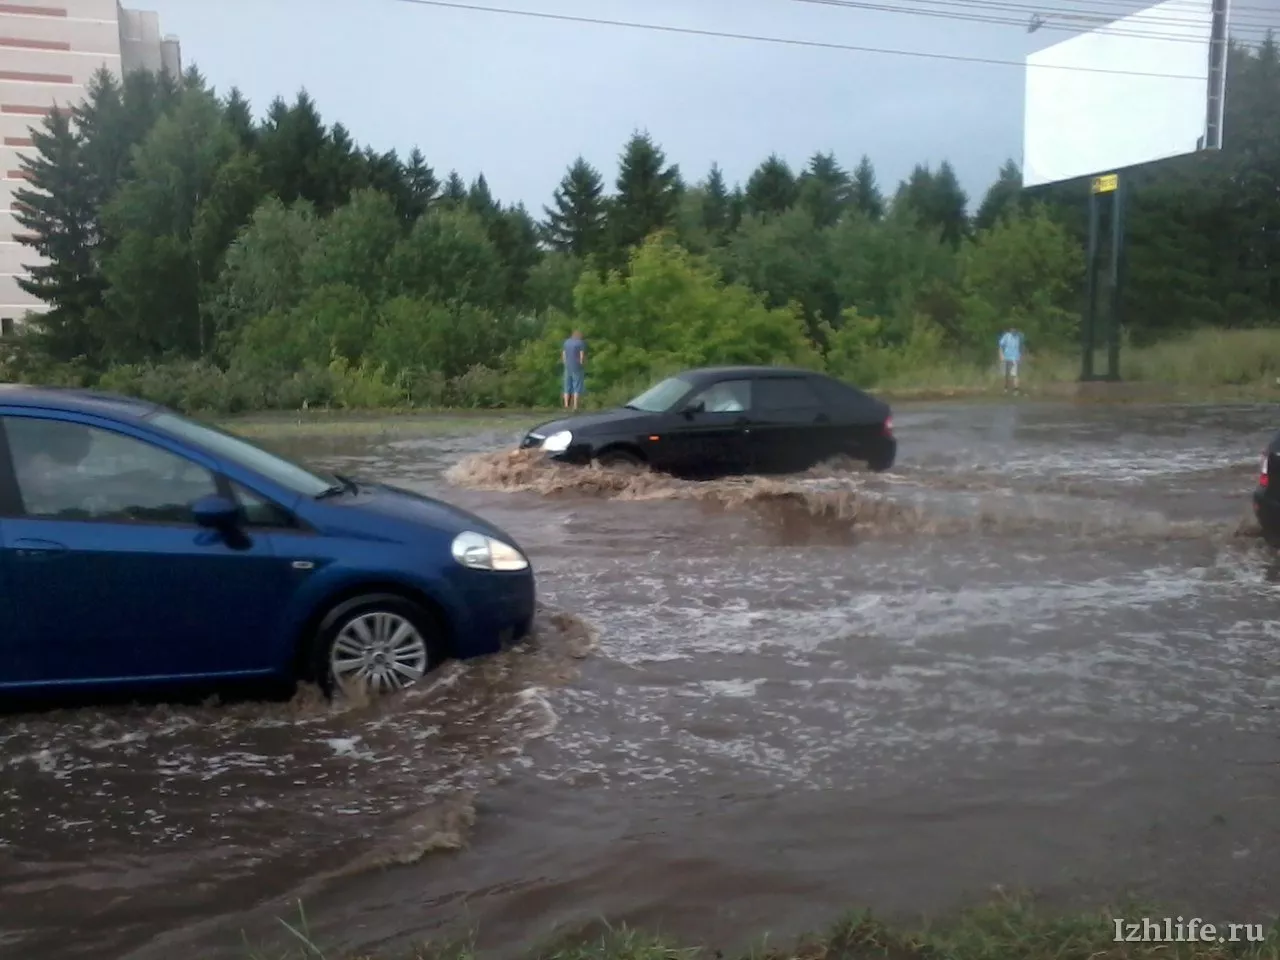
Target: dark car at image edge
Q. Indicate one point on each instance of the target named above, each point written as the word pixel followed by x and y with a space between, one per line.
pixel 724 421
pixel 1266 496
pixel 141 549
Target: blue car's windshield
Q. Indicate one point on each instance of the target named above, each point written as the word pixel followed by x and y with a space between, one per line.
pixel 661 397
pixel 274 468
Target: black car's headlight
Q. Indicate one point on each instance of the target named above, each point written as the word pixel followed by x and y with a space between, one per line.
pixel 479 552
pixel 558 442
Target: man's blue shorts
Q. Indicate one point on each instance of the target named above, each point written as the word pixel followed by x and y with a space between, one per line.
pixel 573 383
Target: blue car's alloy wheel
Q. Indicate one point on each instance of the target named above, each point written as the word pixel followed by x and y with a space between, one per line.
pixel 375 645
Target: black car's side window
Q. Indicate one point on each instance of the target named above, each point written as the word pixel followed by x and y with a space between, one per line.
pixel 71 471
pixel 259 511
pixel 728 396
pixel 786 393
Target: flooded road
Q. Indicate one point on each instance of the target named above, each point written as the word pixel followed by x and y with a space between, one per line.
pixel 1041 653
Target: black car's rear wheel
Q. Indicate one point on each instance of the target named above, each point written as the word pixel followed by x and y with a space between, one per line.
pixel 375 644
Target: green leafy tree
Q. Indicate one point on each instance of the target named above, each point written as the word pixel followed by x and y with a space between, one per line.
pixel 354 246
pixel 190 192
pixel 262 271
pixel 550 284
pixel 669 311
pixel 1025 271
pixel 648 192
pixel 514 235
pixel 332 322
pixel 772 189
pixel 785 261
pixel 575 221
pixel 448 257
pixel 419 336
pixel 895 270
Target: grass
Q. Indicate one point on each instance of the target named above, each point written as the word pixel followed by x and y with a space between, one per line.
pixel 1206 366
pixel 382 425
pixel 1008 928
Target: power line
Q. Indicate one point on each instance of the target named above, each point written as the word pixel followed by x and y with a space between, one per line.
pixel 989 18
pixel 1073 13
pixel 1019 15
pixel 781 41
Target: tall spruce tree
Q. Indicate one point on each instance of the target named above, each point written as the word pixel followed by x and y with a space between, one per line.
pixel 824 190
pixel 423 186
pixel 1003 198
pixel 648 191
pixel 716 203
pixel 57 211
pixel 575 221
pixel 771 188
pixel 455 190
pixel 864 192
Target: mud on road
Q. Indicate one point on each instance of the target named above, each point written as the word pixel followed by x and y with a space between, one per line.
pixel 1042 652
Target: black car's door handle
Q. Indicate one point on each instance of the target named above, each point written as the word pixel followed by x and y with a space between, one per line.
pixel 38 549
pixel 822 418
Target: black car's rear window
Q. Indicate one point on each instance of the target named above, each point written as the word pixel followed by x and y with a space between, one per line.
pixel 843 396
pixel 786 393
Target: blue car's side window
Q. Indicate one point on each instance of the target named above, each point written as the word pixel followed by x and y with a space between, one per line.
pixel 72 471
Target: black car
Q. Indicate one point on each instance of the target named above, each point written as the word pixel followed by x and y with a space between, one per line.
pixel 721 421
pixel 1266 497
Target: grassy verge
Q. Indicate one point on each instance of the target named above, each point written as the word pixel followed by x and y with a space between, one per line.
pixel 1006 929
pixel 1205 366
pixel 381 425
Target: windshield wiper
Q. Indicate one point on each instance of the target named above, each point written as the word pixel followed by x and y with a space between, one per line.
pixel 344 485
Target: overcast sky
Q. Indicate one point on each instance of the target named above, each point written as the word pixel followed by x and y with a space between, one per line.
pixel 519 98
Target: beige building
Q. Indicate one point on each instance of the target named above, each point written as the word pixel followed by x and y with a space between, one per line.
pixel 49 51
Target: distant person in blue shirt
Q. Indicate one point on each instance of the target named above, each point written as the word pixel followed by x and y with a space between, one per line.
pixel 1011 356
pixel 574 356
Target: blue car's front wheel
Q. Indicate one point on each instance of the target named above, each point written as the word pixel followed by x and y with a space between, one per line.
pixel 375 644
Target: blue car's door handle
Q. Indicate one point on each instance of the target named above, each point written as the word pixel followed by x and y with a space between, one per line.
pixel 38 549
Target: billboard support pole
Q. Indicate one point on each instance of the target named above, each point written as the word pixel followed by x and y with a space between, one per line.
pixel 1107 184
pixel 1117 278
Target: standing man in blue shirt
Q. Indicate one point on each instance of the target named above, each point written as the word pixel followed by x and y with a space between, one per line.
pixel 1010 357
pixel 574 357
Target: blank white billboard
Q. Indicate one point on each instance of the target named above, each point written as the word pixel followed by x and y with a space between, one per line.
pixel 1133 91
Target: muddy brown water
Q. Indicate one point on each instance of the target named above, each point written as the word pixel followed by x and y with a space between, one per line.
pixel 1041 653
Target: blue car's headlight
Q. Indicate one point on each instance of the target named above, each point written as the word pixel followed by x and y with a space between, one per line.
pixel 558 442
pixel 479 552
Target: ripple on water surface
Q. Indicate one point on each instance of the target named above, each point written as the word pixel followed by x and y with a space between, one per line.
pixel 264 794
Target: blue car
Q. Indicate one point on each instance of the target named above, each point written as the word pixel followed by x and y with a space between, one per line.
pixel 141 549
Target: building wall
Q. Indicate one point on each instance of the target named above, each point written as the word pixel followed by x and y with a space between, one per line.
pixel 49 51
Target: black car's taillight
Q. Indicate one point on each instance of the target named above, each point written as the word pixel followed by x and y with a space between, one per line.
pixel 887 427
pixel 1262 476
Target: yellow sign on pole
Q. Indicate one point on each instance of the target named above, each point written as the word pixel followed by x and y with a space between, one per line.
pixel 1106 183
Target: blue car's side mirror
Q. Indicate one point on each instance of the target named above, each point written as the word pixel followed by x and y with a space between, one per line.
pixel 216 513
